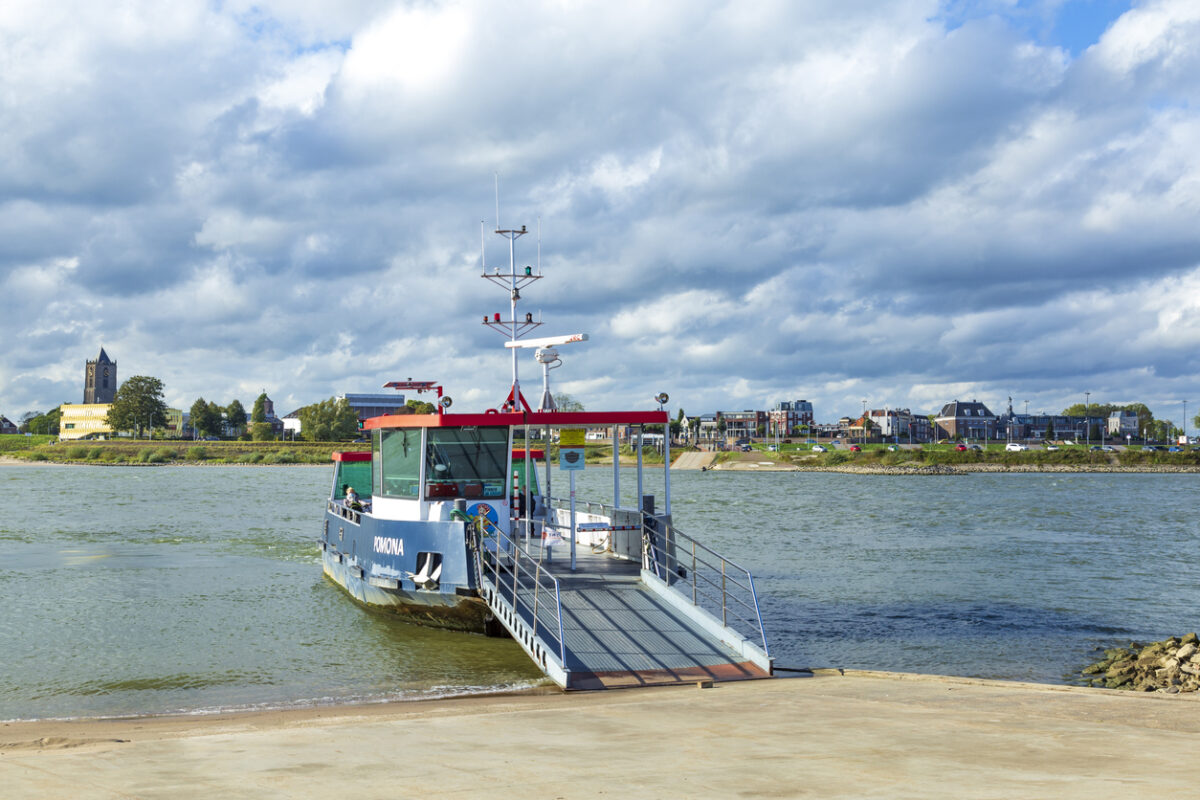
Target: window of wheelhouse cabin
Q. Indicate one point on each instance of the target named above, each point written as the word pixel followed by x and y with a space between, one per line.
pixel 466 462
pixel 396 462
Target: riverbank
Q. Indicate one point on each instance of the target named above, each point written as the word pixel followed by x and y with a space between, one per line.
pixel 735 466
pixel 856 734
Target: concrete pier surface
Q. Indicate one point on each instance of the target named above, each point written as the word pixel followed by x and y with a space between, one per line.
pixel 834 735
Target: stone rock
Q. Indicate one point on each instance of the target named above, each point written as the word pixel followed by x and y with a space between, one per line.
pixel 1172 665
pixel 1120 669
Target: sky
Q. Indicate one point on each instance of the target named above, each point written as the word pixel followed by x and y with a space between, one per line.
pixel 903 203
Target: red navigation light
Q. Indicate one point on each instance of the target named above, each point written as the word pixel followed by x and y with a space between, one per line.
pixel 497 317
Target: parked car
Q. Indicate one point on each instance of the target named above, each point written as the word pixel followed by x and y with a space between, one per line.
pixel 855 448
pixel 1052 447
pixel 771 447
pixel 1108 448
pixel 1174 449
pixel 745 448
pixel 1016 447
pixel 1152 448
pixel 977 448
pixel 819 448
pixel 962 448
pixel 893 448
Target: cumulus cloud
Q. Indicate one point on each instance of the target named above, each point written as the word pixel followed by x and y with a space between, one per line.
pixel 903 201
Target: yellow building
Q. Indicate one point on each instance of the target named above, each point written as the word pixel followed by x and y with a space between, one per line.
pixel 79 420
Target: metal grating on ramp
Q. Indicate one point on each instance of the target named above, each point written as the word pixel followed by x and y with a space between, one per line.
pixel 619 633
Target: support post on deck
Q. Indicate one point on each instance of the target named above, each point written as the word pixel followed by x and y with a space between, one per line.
pixel 616 468
pixel 667 466
pixel 640 430
pixel 546 495
pixel 572 520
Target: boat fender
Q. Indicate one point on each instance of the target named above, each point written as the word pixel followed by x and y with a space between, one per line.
pixel 491 411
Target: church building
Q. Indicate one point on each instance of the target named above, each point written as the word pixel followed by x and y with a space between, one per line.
pixel 100 380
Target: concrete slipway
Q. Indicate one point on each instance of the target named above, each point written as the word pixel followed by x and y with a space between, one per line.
pixel 831 736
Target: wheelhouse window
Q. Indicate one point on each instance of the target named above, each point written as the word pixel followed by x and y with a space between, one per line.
pixel 466 462
pixel 396 457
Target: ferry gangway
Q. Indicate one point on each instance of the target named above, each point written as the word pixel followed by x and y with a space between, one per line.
pixel 525 597
pixel 659 608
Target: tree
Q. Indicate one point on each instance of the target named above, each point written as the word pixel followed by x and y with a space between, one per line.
pixel 45 424
pixel 330 420
pixel 235 415
pixel 420 407
pixel 204 422
pixel 259 414
pixel 217 415
pixel 138 405
pixel 565 402
pixel 1049 429
pixel 1162 429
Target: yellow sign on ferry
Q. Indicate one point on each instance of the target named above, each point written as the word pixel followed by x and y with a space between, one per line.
pixel 571 437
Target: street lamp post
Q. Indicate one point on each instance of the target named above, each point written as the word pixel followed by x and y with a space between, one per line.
pixel 1185 439
pixel 1087 404
pixel 864 422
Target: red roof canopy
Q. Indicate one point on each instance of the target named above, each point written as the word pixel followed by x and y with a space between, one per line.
pixel 536 419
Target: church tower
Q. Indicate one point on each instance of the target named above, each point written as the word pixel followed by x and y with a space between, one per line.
pixel 100 380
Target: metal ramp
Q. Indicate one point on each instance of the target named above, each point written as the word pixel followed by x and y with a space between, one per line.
pixel 611 623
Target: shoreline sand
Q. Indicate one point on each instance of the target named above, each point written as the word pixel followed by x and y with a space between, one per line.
pixel 851 734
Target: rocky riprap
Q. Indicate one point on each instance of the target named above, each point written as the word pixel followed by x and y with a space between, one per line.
pixel 1170 666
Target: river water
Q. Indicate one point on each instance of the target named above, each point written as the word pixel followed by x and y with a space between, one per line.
pixel 197 589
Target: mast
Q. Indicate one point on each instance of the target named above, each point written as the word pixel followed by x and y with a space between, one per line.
pixel 514 327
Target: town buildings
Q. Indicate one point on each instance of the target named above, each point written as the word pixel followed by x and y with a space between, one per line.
pixel 789 417
pixel 962 420
pixel 89 418
pixel 1123 424
pixel 365 405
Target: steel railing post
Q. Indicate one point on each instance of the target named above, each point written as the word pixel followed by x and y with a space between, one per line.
pixel 516 557
pixel 537 585
pixel 724 618
pixel 694 572
pixel 562 645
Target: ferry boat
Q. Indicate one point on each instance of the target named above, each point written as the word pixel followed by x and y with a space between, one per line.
pixel 445 523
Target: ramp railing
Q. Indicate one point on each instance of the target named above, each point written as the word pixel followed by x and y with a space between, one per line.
pixel 704 577
pixel 524 595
